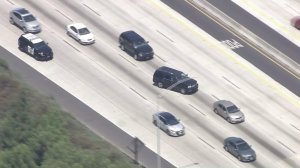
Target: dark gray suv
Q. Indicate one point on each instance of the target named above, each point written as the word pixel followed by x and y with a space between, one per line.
pixel 240 149
pixel 135 45
pixel 172 79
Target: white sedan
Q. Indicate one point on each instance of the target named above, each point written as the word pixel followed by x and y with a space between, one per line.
pixel 80 33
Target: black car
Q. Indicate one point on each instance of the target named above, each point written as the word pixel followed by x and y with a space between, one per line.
pixel 35 47
pixel 135 45
pixel 172 79
pixel 240 149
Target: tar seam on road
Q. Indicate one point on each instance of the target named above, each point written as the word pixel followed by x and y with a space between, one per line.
pixel 197 109
pixel 127 60
pixel 64 15
pixel 286 146
pixel 91 9
pixel 295 127
pixel 215 97
pixel 160 58
pixel 10 2
pixel 165 36
pixel 206 142
pixel 231 82
pixel 137 93
pixel 71 45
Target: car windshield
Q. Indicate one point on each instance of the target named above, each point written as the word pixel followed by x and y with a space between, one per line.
pixel 181 76
pixel 243 146
pixel 39 45
pixel 83 31
pixel 232 109
pixel 29 18
pixel 171 120
pixel 139 44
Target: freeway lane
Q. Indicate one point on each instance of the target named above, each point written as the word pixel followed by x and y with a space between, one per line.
pixel 259 28
pixel 83 113
pixel 121 89
pixel 247 51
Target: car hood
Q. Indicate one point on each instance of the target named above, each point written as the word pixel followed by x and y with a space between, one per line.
pixel 33 23
pixel 144 49
pixel 236 114
pixel 191 82
pixel 247 152
pixel 87 36
pixel 177 127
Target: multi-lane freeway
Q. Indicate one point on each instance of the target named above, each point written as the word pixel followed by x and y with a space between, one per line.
pixel 245 49
pixel 121 89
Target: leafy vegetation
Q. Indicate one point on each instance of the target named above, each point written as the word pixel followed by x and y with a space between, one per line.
pixel 35 133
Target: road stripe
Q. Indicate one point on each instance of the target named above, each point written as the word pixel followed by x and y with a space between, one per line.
pixel 269 83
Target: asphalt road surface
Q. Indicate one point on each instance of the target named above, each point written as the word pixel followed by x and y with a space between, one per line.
pixel 259 28
pixel 121 90
pixel 247 52
pixel 82 112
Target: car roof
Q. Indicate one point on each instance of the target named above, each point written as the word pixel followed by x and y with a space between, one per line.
pixel 226 103
pixel 171 70
pixel 22 11
pixel 33 38
pixel 78 25
pixel 167 115
pixel 132 35
pixel 236 140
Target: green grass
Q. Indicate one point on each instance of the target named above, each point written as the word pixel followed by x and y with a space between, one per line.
pixel 35 132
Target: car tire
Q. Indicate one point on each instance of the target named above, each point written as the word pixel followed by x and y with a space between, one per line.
pixel 168 132
pixel 226 148
pixel 182 91
pixel 239 158
pixel 68 33
pixel 160 85
pixel 216 111
pixel 20 48
pixel 122 47
pixel 135 56
pixel 228 119
pixel 11 21
pixel 24 29
pixel 155 122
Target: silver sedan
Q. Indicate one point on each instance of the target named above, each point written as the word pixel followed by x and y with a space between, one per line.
pixel 25 20
pixel 168 123
pixel 228 111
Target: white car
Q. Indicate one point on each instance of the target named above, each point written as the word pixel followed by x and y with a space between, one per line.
pixel 80 33
pixel 168 123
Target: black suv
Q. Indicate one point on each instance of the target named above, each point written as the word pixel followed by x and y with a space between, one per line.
pixel 135 45
pixel 35 47
pixel 172 79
